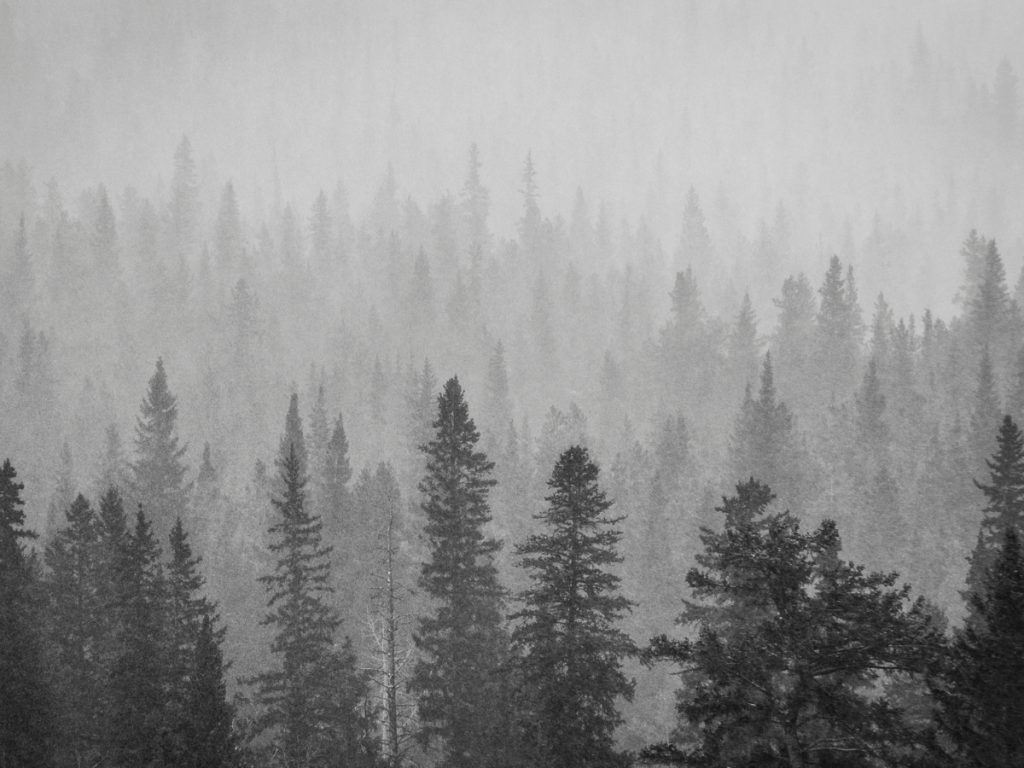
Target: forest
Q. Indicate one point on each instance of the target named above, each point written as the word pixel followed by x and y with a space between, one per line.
pixel 386 475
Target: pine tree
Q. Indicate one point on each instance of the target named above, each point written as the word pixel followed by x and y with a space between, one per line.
pixel 205 736
pixel 475 204
pixel 159 472
pixel 790 647
pixel 979 688
pixel 187 609
pixel 838 332
pixel 26 709
pixel 462 644
pixel 336 498
pixel 764 442
pixel 530 225
pixel 571 651
pixel 985 415
pixel 140 672
pixel 228 232
pixel 76 629
pixel 114 470
pixel 1004 508
pixel 298 697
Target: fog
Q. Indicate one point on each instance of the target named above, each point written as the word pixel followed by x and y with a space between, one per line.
pixel 849 115
pixel 707 242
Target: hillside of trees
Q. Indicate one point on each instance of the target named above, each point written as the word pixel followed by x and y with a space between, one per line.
pixel 310 490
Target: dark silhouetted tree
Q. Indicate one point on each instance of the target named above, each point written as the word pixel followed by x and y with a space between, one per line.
pixel 789 646
pixel 462 643
pixel 571 651
pixel 26 710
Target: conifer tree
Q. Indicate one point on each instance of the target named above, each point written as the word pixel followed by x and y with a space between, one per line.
pixel 299 697
pixel 571 650
pixel 984 415
pixel 205 736
pixel 138 717
pixel 26 713
pixel 764 444
pixel 187 609
pixel 462 644
pixel 979 690
pixel 336 498
pixel 76 629
pixel 791 643
pixel 1004 508
pixel 159 472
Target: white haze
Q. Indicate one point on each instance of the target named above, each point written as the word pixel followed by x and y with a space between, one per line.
pixel 846 114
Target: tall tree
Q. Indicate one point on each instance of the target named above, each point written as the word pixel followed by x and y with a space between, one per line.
pixel 205 735
pixel 571 651
pixel 1004 508
pixel 140 672
pixel 377 494
pixel 298 696
pixel 789 647
pixel 979 688
pixel 76 629
pixel 764 442
pixel 462 643
pixel 26 717
pixel 158 471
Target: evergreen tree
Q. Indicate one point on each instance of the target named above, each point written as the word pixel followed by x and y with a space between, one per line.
pixel 979 688
pixel 743 344
pixel 298 698
pixel 985 415
pixel 475 204
pixel 336 507
pixel 76 630
pixel 571 651
pixel 138 717
pixel 205 736
pixel 462 643
pixel 26 714
pixel 159 472
pixel 228 232
pixel 1004 508
pixel 764 442
pixel 838 339
pixel 794 337
pixel 790 645
pixel 530 225
pixel 695 243
pixel 187 609
pixel 872 429
pixel 293 439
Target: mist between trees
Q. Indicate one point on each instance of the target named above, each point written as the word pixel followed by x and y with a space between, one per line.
pixel 525 491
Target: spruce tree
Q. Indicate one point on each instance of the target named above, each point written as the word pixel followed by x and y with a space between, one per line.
pixel 188 610
pixel 571 651
pixel 138 717
pixel 158 471
pixel 462 643
pixel 789 646
pixel 205 736
pixel 1004 508
pixel 979 690
pixel 76 630
pixel 26 714
pixel 298 697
